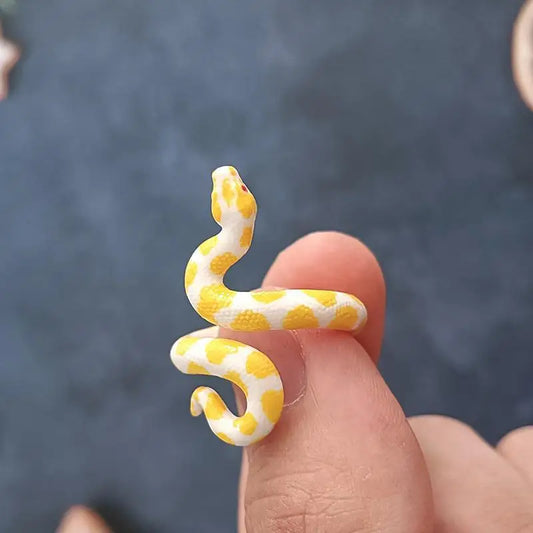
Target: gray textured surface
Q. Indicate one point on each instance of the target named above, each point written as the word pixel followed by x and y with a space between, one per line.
pixel 393 120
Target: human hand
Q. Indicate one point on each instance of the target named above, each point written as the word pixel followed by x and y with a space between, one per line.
pixel 343 457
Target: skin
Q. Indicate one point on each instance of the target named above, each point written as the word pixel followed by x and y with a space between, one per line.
pixel 522 54
pixel 344 457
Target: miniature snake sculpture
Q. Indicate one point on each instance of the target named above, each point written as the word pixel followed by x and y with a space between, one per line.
pixel 234 208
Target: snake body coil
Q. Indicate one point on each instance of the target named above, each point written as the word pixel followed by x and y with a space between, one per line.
pixel 234 209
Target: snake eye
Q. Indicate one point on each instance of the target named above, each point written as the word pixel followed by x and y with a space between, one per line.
pixel 243 187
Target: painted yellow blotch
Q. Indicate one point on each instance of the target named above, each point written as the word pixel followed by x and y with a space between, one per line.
pixel 194 368
pixel 224 437
pixel 208 245
pixel 184 344
pixel 217 349
pixel 222 262
pixel 345 319
pixel 213 298
pixel 267 297
pixel 228 192
pixel 246 423
pixel 300 317
pixel 272 402
pixel 250 321
pixel 190 273
pixel 246 237
pixel 259 365
pixel 235 377
pixel 214 407
pixel 326 298
pixel 232 170
pixel 216 211
pixel 246 203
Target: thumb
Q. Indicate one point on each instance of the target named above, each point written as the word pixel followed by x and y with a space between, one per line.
pixel 342 457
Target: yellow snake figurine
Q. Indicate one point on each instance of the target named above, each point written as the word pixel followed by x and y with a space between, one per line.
pixel 234 208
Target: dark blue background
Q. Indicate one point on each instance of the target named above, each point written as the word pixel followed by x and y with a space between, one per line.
pixel 396 121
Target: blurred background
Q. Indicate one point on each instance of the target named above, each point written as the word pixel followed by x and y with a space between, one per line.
pixel 395 121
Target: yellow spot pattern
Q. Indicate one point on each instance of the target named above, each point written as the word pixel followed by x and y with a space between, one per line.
pixel 224 437
pixel 228 192
pixel 267 297
pixel 246 423
pixel 259 365
pixel 345 319
pixel 214 407
pixel 235 377
pixel 232 171
pixel 246 203
pixel 208 245
pixel 190 273
pixel 246 237
pixel 250 321
pixel 216 211
pixel 272 402
pixel 326 298
pixel 217 349
pixel 300 317
pixel 194 368
pixel 184 344
pixel 222 262
pixel 213 298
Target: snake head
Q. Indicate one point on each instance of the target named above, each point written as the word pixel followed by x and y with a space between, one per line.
pixel 231 200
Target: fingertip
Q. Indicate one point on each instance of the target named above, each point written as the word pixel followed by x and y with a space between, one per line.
pixel 81 519
pixel 336 261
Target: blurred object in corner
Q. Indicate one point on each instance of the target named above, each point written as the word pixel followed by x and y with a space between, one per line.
pixel 7 6
pixel 9 55
pixel 522 54
pixel 80 519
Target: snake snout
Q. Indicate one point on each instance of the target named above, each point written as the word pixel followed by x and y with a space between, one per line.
pixel 221 173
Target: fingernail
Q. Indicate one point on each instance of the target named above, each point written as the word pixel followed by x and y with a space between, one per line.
pixel 80 519
pixel 285 351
